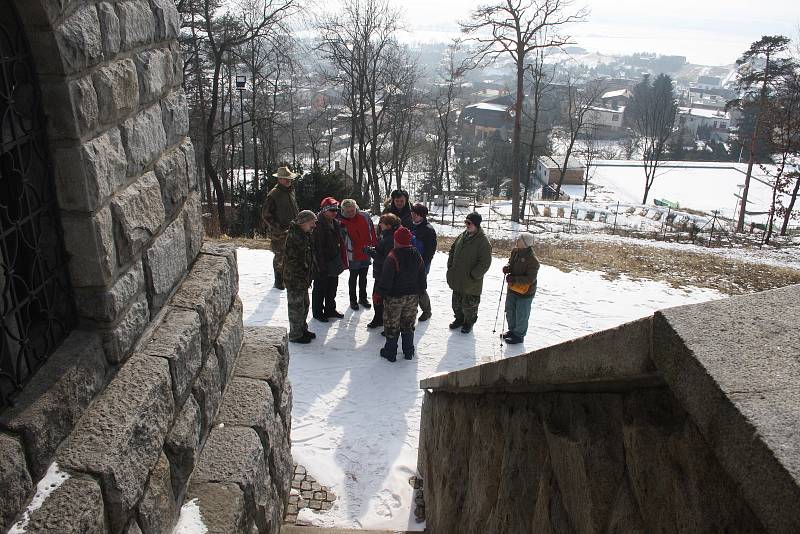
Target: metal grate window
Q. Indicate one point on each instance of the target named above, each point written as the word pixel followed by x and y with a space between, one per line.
pixel 36 305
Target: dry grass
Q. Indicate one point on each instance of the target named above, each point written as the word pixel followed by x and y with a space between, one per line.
pixel 675 267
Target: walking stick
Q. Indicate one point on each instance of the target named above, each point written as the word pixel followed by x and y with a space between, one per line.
pixel 502 288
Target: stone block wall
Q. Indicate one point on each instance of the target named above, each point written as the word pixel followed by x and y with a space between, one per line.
pixel 124 168
pixel 179 409
pixel 107 435
pixel 660 425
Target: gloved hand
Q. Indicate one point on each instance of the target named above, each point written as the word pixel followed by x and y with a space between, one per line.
pixel 506 269
pixel 509 278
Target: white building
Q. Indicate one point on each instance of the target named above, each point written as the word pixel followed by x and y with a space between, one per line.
pixel 718 121
pixel 605 117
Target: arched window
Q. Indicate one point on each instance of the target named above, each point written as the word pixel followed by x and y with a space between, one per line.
pixel 35 299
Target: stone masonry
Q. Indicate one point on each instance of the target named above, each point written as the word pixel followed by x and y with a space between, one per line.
pixel 136 403
pixel 659 425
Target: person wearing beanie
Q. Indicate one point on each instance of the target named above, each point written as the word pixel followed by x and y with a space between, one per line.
pixel 298 270
pixel 359 232
pixel 521 272
pixel 277 213
pixel 402 280
pixel 331 260
pixel 399 205
pixel 470 257
pixel 387 224
pixel 425 241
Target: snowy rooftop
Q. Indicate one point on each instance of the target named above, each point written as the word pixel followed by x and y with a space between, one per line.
pixel 706 113
pixel 489 107
pixel 614 94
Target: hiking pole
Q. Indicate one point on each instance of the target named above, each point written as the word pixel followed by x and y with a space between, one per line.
pixel 496 315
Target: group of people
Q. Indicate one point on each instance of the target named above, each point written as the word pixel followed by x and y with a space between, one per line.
pixel 314 249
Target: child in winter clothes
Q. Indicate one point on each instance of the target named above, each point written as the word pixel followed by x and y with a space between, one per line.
pixel 521 273
pixel 425 237
pixel 401 283
pixel 388 223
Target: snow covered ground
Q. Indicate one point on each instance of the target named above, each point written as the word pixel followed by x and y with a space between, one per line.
pixel 356 416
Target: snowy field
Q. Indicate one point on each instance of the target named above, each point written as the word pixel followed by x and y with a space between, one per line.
pixel 355 419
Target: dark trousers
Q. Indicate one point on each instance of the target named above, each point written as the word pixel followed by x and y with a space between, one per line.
pixel 323 296
pixel 359 275
pixel 377 304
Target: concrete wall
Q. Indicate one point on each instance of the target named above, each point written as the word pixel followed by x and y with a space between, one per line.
pixel 122 412
pixel 686 421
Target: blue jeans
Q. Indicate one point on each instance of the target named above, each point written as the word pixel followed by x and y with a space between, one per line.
pixel 518 310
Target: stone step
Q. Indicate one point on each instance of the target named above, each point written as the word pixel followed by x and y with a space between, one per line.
pixel 293 529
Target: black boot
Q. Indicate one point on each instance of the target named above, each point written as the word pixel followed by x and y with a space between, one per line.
pixel 279 282
pixel 458 323
pixel 378 319
pixel 408 344
pixel 467 328
pixel 362 288
pixel 389 350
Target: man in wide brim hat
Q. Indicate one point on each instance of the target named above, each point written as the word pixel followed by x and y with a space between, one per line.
pixel 284 172
pixel 277 213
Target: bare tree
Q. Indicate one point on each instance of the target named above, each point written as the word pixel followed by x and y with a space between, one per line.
pixel 516 28
pixel 651 114
pixel 581 97
pixel 541 78
pixel 218 34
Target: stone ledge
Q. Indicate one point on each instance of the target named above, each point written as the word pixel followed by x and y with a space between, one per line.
pixel 65 385
pixel 222 506
pixel 76 506
pixel 210 289
pixel 738 381
pixel 617 359
pixel 119 438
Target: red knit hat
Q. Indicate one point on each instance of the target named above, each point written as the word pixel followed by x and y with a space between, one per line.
pixel 329 203
pixel 402 237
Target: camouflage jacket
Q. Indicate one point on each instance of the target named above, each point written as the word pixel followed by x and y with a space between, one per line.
pixel 279 210
pixel 298 263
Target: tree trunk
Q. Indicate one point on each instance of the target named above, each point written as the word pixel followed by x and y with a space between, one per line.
pixel 516 152
pixel 790 207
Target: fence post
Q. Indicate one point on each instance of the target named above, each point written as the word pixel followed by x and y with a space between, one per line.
pixel 616 211
pixel 569 224
pixel 713 221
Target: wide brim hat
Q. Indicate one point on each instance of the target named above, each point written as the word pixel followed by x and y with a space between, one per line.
pixel 284 172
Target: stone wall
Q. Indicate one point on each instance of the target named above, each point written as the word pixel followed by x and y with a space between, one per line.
pixel 683 422
pixel 120 414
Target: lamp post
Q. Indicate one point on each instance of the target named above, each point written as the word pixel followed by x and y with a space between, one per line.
pixel 240 82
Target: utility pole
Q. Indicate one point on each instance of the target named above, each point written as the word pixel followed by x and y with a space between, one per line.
pixel 240 83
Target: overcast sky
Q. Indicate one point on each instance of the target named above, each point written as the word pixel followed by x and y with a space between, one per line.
pixel 710 32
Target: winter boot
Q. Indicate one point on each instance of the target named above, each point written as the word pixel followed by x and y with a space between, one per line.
pixel 353 305
pixel 279 282
pixel 378 319
pixel 513 339
pixel 408 344
pixel 362 288
pixel 458 323
pixel 425 316
pixel 467 328
pixel 389 350
pixel 364 302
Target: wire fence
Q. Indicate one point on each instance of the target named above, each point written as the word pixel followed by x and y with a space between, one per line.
pixel 662 223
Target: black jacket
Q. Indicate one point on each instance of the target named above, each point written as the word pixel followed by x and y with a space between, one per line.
pixel 404 214
pixel 403 273
pixel 327 244
pixel 426 236
pixel 381 250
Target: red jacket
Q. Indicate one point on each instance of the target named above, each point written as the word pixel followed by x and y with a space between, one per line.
pixel 359 233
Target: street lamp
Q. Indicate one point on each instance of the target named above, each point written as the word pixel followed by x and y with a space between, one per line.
pixel 240 82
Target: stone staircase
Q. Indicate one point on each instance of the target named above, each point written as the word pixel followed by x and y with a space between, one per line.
pixel 242 479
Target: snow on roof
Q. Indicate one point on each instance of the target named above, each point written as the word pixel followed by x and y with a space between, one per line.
pixel 706 113
pixel 489 107
pixel 556 162
pixel 619 92
pixel 619 111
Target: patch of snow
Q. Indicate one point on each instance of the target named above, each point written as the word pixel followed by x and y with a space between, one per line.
pixel 314 519
pixel 190 520
pixel 50 482
pixel 356 417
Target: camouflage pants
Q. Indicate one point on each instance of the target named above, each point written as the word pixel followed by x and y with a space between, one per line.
pixel 465 307
pixel 399 314
pixel 277 243
pixel 297 302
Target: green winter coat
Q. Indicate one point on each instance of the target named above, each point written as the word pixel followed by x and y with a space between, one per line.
pixel 298 263
pixel 524 268
pixel 279 210
pixel 470 258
